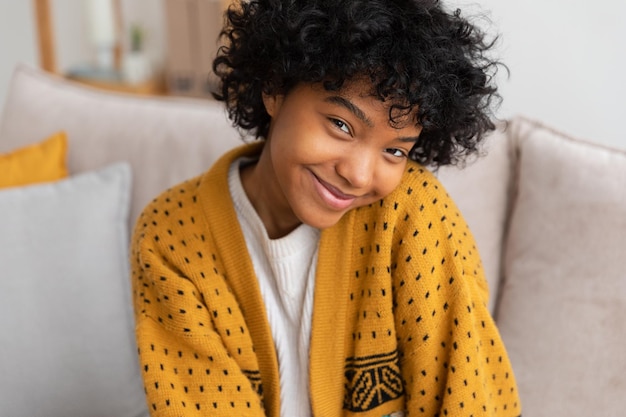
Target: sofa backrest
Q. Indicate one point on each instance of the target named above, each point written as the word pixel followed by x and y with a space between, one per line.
pixel 552 207
pixel 166 140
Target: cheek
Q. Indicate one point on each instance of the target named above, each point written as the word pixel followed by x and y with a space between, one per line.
pixel 288 162
pixel 304 150
pixel 390 181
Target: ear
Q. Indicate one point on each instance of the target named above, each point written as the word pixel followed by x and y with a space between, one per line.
pixel 272 103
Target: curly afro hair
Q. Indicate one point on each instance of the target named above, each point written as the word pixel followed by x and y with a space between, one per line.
pixel 416 54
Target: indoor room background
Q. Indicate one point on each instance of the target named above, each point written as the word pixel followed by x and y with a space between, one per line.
pixel 565 57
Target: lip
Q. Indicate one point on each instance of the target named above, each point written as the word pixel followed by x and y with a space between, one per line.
pixel 331 195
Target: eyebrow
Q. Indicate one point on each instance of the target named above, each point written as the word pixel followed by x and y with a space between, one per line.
pixel 351 107
pixel 354 109
pixel 409 139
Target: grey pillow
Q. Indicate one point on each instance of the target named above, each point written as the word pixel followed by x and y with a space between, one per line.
pixel 66 325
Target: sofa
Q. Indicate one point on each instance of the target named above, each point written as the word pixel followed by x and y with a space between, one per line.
pixel 548 212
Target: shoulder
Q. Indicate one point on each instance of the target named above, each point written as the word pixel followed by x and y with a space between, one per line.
pixel 430 227
pixel 189 210
pixel 162 220
pixel 164 207
pixel 421 227
pixel 419 186
pixel 185 197
pixel 421 210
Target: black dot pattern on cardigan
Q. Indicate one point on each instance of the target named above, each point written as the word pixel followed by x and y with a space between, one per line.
pixel 417 263
pixel 417 337
pixel 188 351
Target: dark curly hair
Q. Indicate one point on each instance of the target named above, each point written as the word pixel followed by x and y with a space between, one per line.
pixel 416 54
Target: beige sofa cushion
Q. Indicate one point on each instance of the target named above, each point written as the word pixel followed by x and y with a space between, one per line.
pixel 563 306
pixel 153 135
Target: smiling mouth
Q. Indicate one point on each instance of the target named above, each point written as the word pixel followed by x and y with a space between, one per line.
pixel 332 196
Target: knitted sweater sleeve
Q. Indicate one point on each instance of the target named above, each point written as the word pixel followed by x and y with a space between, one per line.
pixel 183 307
pixel 453 360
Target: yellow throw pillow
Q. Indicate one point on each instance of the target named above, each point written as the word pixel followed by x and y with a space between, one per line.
pixel 45 161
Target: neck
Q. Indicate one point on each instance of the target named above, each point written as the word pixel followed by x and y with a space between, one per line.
pixel 259 183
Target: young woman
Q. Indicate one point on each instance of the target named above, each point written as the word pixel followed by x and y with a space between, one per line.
pixel 323 270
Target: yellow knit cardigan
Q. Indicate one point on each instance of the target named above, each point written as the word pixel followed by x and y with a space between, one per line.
pixel 400 322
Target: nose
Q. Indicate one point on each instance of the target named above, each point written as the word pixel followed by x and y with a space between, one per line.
pixel 357 169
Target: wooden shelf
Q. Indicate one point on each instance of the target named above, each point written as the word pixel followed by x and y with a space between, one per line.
pixel 47 56
pixel 45 38
pixel 155 86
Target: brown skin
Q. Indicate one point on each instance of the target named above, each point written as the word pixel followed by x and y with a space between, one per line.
pixel 326 153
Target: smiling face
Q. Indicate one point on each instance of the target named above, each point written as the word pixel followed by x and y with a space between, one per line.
pixel 327 152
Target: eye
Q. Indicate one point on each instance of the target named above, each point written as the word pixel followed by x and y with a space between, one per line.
pixel 397 153
pixel 341 125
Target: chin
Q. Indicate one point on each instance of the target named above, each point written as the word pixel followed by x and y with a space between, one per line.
pixel 322 223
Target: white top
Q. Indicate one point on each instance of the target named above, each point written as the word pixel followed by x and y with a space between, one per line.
pixel 285 269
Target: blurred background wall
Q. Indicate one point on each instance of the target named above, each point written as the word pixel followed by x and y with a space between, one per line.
pixel 566 57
